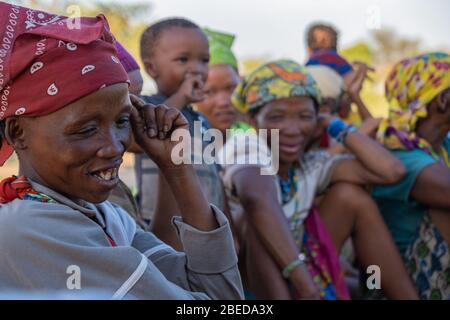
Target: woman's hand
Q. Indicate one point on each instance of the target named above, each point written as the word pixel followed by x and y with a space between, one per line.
pixel 153 127
pixel 304 284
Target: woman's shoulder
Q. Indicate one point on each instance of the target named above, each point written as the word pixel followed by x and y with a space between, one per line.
pixel 315 155
pixel 32 224
pixel 19 209
pixel 315 159
pixel 414 160
pixel 21 217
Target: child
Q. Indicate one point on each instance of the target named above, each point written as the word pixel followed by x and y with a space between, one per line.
pixel 175 54
pixel 353 79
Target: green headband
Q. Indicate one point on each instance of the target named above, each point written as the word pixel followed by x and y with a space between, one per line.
pixel 220 48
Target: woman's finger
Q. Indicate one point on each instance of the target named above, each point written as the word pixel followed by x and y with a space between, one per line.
pixel 171 115
pixel 137 102
pixel 137 122
pixel 150 120
pixel 147 113
pixel 160 113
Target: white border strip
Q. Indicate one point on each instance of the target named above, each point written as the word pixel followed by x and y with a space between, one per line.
pixel 153 250
pixel 131 281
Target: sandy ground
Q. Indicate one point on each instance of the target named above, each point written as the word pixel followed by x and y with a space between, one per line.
pixel 126 171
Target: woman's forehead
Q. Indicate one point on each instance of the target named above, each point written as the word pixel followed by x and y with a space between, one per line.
pixel 291 103
pixel 222 73
pixel 106 101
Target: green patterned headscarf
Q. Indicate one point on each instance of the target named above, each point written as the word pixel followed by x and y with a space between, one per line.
pixel 274 81
pixel 220 48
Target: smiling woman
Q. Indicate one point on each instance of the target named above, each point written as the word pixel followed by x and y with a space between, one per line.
pixel 290 244
pixel 88 138
pixel 68 115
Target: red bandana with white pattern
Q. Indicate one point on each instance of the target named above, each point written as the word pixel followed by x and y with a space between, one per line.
pixel 49 61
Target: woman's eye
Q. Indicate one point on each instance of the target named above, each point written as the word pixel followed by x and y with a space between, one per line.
pixel 205 60
pixel 123 122
pixel 306 117
pixel 275 117
pixel 87 131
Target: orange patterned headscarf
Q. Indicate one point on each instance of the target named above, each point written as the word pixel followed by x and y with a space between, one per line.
pixel 273 81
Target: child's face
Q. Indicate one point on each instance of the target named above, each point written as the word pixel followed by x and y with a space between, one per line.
pixel 295 117
pixel 217 107
pixel 77 150
pixel 178 52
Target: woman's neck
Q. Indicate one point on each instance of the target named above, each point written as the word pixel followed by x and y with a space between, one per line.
pixel 283 170
pixel 28 172
pixel 433 133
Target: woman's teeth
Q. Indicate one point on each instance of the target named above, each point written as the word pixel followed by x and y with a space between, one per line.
pixel 107 175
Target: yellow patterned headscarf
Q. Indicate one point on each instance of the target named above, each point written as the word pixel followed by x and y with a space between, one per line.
pixel 273 81
pixel 411 85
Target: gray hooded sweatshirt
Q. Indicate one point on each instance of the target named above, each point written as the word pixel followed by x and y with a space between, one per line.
pixel 63 247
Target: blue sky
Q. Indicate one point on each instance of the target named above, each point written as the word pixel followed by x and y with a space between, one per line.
pixel 275 28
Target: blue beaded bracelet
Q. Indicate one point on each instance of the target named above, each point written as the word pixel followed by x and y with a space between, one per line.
pixel 343 135
pixel 335 127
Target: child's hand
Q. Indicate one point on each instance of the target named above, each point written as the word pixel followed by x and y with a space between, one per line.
pixel 153 126
pixel 355 79
pixel 191 89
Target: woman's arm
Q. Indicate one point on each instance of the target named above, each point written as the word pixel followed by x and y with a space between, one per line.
pixel 258 196
pixel 196 210
pixel 205 235
pixel 432 187
pixel 374 164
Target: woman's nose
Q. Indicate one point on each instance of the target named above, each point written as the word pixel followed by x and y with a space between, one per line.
pixel 292 127
pixel 223 100
pixel 112 147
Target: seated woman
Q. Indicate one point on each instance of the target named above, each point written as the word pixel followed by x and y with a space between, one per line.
pixel 278 213
pixel 417 209
pixel 69 117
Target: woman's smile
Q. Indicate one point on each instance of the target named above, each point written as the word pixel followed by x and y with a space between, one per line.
pixel 291 148
pixel 106 177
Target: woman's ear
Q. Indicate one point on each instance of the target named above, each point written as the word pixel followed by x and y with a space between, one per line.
pixel 443 101
pixel 14 133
